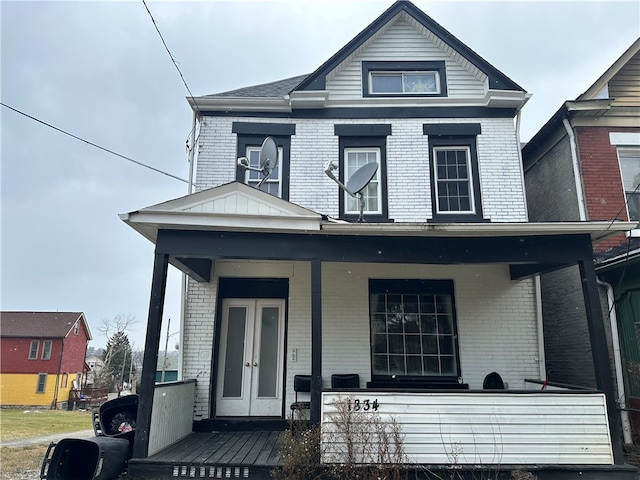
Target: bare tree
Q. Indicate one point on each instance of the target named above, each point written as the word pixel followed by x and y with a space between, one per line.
pixel 114 327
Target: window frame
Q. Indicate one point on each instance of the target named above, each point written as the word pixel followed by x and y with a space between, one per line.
pixel 438 182
pixel 370 68
pixel 346 197
pixel 42 379
pixel 37 349
pixel 416 287
pixel 46 353
pixel 364 136
pixel 622 151
pixel 462 135
pixel 76 328
pixel 253 134
pixel 270 181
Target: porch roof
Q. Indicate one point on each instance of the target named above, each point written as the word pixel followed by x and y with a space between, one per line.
pixel 237 207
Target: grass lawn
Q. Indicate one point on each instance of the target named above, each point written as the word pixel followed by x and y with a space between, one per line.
pixel 16 424
pixel 17 461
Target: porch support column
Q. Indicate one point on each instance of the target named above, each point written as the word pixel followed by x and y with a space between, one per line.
pixel 316 341
pixel 600 352
pixel 151 349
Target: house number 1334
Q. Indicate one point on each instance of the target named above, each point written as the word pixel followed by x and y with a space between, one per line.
pixel 357 405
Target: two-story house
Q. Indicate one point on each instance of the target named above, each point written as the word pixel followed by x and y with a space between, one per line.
pixel 41 357
pixel 421 291
pixel 584 164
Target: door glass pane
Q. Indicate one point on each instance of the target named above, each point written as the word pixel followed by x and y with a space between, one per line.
pixel 234 352
pixel 268 362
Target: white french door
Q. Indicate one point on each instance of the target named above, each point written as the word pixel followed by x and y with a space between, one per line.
pixel 250 360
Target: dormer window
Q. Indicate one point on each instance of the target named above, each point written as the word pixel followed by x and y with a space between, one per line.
pixel 387 79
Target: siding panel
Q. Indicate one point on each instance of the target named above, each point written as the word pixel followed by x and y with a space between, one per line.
pixel 487 428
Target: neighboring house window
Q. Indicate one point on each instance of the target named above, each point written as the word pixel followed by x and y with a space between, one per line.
pixel 455 182
pixel 630 167
pixel 359 145
pixel 33 349
pixel 250 137
pixel 404 79
pixel 76 328
pixel 413 330
pixel 65 380
pixel 46 350
pixel 42 383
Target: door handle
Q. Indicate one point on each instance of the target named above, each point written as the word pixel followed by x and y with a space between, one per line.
pixel 255 364
pixel 247 364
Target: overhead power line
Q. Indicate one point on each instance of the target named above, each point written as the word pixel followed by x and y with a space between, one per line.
pixel 171 55
pixel 129 159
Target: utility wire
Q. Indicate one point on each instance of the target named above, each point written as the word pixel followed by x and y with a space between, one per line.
pixel 171 57
pixel 93 144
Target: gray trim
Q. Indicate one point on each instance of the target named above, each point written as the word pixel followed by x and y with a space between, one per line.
pixel 362 130
pixel 441 129
pixel 257 128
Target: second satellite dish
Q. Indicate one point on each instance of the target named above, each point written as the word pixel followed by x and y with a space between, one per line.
pixel 357 183
pixel 268 160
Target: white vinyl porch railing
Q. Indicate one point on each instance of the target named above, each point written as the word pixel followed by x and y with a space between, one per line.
pixel 474 428
pixel 172 413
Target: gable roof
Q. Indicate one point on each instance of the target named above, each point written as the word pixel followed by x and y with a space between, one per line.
pixel 278 88
pixel 590 105
pixel 497 79
pixel 234 206
pixel 40 324
pixel 593 91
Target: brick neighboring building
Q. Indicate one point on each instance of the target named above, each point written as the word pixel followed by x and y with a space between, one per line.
pixel 584 164
pixel 42 356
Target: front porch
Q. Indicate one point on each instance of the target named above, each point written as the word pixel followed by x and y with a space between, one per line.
pixel 446 434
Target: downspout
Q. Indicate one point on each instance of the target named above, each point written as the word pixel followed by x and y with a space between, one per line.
pixel 185 280
pixel 576 169
pixel 524 189
pixel 617 361
pixel 542 361
pixel 55 391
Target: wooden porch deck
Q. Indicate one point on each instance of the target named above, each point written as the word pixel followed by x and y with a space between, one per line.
pixel 239 454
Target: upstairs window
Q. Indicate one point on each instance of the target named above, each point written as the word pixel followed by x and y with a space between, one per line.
pixel 453 182
pixel 361 144
pixel 271 185
pixel 250 137
pixel 76 328
pixel 454 173
pixel 418 79
pixel 630 167
pixel 46 350
pixel 33 349
pixel 404 82
pixel 354 159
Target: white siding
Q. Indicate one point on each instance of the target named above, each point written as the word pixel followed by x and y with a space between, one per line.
pixel 490 428
pixel 402 42
pixel 171 415
pixel 409 197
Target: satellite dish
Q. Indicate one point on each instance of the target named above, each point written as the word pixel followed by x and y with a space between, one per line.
pixel 361 177
pixel 268 155
pixel 357 183
pixel 268 160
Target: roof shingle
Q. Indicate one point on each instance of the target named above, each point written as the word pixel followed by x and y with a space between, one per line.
pixel 39 324
pixel 278 88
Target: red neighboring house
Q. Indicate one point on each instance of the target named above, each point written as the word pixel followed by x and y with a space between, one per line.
pixel 42 356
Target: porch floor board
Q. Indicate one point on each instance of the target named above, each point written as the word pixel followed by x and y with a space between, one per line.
pixel 205 454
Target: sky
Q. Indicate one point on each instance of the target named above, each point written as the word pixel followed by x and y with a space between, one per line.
pixel 99 71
